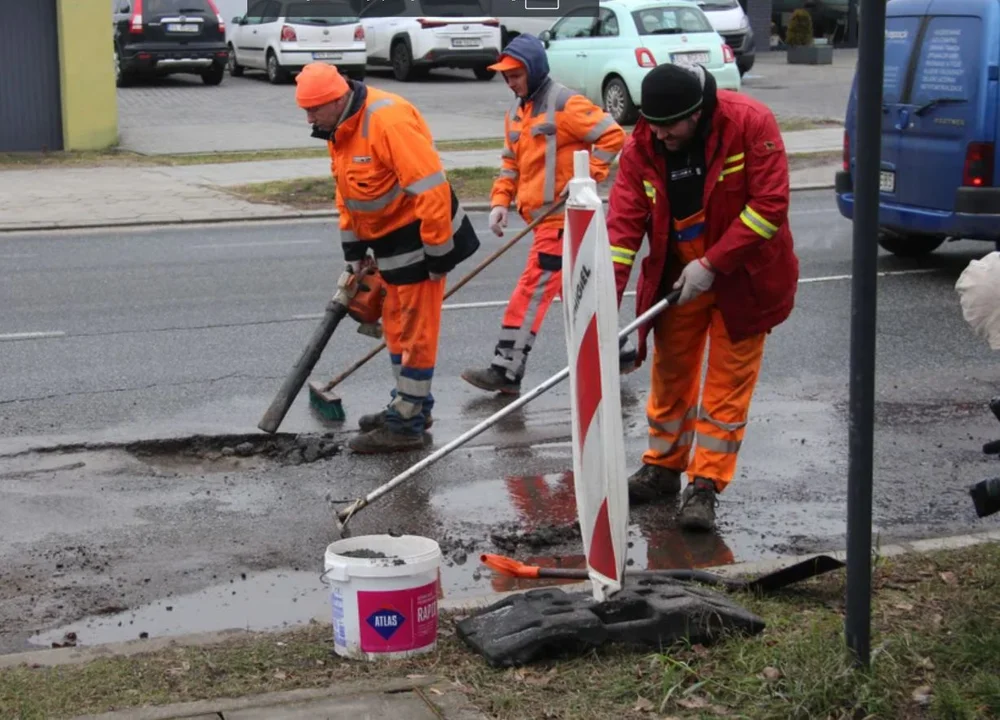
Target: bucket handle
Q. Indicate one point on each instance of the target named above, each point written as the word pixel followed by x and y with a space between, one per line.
pixel 340 575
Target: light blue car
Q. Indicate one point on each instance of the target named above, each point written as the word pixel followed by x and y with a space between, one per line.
pixel 606 57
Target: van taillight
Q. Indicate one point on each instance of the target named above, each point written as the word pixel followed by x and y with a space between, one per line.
pixel 978 170
pixel 847 152
pixel 288 34
pixel 644 58
pixel 359 33
pixel 135 24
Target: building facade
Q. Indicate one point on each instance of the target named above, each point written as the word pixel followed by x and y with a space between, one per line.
pixel 57 89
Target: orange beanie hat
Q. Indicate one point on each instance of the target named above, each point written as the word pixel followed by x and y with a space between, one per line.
pixel 319 84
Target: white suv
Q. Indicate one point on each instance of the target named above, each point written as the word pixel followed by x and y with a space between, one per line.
pixel 281 36
pixel 452 34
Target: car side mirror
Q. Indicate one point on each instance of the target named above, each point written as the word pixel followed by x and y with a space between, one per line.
pixel 546 37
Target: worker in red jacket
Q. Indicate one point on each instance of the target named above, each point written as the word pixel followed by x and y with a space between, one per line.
pixel 705 175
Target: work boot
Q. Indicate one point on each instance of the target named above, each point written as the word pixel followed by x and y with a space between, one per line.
pixel 377 420
pixel 651 483
pixel 698 506
pixel 492 380
pixel 384 440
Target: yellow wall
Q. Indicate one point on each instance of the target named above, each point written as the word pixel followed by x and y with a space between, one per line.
pixel 89 97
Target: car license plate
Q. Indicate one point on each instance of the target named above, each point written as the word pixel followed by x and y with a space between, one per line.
pixel 465 42
pixel 887 181
pixel 182 27
pixel 688 59
pixel 327 56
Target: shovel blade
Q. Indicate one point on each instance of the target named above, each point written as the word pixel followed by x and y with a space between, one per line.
pixel 792 574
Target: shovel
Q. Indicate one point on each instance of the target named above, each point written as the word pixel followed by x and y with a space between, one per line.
pixel 344 516
pixel 770 582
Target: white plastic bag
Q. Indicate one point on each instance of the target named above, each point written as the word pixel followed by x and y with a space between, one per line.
pixel 979 293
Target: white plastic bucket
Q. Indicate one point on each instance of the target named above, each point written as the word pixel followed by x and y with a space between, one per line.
pixel 384 607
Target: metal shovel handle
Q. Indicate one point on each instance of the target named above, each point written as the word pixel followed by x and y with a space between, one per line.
pixel 344 515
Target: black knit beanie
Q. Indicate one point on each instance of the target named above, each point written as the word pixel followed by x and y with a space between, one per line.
pixel 671 93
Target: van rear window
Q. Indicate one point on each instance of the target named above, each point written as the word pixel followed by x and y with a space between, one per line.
pixel 900 35
pixel 949 60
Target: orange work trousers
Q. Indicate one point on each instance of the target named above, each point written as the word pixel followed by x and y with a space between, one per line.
pixel 677 422
pixel 540 283
pixel 411 323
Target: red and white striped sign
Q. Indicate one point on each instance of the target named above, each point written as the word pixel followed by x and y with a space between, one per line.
pixel 590 310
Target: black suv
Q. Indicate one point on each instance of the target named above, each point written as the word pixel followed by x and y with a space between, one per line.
pixel 163 37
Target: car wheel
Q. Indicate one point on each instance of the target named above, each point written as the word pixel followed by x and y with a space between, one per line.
pixel 402 61
pixel 484 73
pixel 275 73
pixel 618 102
pixel 214 75
pixel 122 77
pixel 909 246
pixel 235 69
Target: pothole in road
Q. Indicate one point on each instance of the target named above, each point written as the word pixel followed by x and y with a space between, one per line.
pixel 208 452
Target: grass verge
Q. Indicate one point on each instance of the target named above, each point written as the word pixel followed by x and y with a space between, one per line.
pixel 471 184
pixel 936 654
pixel 125 158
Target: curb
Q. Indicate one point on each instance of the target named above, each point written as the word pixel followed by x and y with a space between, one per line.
pixel 75 656
pixel 284 216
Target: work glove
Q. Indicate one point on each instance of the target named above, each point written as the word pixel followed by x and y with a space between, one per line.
pixel 696 278
pixel 498 219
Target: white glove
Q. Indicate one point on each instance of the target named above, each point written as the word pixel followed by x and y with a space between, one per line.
pixel 696 278
pixel 498 219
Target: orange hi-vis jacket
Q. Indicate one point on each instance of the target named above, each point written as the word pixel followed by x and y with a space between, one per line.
pixel 392 192
pixel 540 136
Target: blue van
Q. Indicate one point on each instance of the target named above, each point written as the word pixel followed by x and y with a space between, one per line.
pixel 940 115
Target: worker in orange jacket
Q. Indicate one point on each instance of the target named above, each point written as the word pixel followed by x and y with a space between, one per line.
pixel 395 201
pixel 542 130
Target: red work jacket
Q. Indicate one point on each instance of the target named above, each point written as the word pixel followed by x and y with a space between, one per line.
pixel 747 236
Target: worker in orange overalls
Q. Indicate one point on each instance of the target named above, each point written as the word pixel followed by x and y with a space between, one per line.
pixel 542 130
pixel 395 201
pixel 705 176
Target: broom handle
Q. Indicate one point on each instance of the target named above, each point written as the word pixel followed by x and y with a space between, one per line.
pixel 475 271
pixel 345 514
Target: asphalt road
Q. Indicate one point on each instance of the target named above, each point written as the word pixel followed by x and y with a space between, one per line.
pixel 180 114
pixel 117 337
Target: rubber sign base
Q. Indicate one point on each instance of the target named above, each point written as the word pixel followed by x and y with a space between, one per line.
pixel 647 613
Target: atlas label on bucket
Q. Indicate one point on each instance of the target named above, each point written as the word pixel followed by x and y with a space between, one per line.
pixel 398 620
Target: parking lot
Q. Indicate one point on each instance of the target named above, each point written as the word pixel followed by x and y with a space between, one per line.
pixel 180 114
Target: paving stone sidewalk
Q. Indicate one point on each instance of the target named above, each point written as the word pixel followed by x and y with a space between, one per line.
pixel 48 198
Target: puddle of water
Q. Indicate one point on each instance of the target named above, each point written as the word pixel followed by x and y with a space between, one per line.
pixel 264 601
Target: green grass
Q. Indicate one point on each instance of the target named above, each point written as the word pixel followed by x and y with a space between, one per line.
pixel 936 656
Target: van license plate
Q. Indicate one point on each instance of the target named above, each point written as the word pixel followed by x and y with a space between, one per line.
pixel 689 59
pixel 887 181
pixel 179 27
pixel 464 42
pixel 328 56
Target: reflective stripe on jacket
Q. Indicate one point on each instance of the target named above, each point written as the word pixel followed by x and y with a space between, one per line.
pixel 392 192
pixel 540 137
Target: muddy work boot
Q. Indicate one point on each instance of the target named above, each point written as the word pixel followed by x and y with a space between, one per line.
pixel 698 506
pixel 492 380
pixel 384 440
pixel 377 420
pixel 652 483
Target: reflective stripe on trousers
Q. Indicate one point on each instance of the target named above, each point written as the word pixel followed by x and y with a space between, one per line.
pixel 411 322
pixel 677 421
pixel 540 283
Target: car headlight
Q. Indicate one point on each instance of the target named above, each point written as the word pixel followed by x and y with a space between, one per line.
pixel 744 22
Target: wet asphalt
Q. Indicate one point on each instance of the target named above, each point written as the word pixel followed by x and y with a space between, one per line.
pixel 112 340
